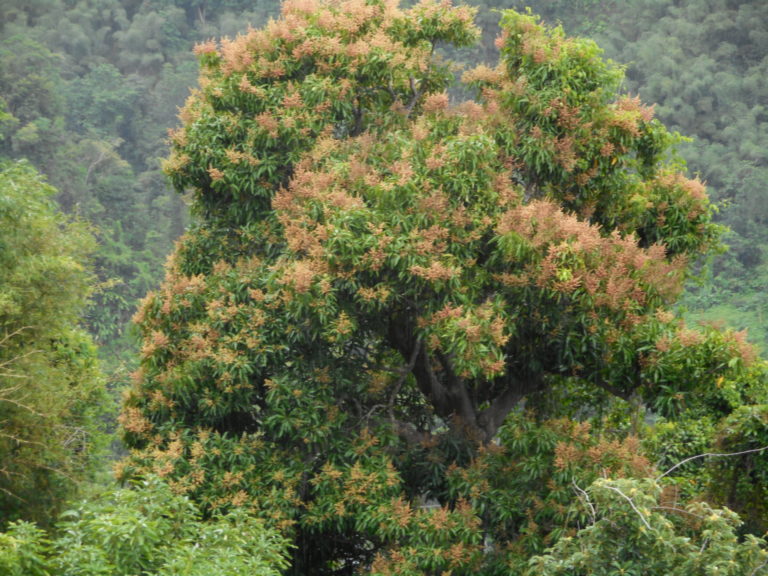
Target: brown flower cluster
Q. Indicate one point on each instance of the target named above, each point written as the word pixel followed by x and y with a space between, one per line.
pixel 609 457
pixel 435 272
pixel 691 193
pixel 633 104
pixel 613 270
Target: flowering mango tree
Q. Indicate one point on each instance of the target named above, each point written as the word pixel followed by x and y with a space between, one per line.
pixel 379 276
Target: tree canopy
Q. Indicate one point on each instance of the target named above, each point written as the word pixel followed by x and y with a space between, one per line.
pixel 51 391
pixel 144 529
pixel 379 278
pixel 703 63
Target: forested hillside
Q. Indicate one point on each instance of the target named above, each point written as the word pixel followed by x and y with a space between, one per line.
pixel 374 311
pixel 89 91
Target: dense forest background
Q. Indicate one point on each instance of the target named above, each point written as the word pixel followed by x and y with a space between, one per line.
pixel 89 90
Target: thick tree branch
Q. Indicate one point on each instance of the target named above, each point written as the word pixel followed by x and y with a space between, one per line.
pixel 615 390
pixel 446 392
pixel 515 390
pixel 406 370
pixel 459 398
pixel 416 94
pixel 430 384
pixel 492 417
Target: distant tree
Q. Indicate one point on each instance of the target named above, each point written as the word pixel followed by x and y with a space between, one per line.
pixel 30 88
pixel 378 278
pixel 51 391
pixel 102 103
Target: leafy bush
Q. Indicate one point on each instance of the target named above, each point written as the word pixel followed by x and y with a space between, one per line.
pixel 146 530
pixel 633 532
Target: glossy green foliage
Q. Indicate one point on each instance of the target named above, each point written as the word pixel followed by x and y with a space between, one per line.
pixel 677 440
pixel 51 395
pixel 146 530
pixel 151 530
pixel 528 485
pixel 711 442
pixel 705 372
pixel 23 550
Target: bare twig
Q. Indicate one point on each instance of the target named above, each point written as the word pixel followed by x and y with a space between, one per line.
pixel 679 510
pixel 10 335
pixel 712 455
pixel 18 440
pixel 587 501
pixel 12 495
pixel 14 359
pixel 631 503
pixel 19 404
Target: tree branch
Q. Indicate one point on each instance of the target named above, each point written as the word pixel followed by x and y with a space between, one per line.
pixel 405 371
pixel 458 396
pixel 631 503
pixel 516 388
pixel 416 93
pixel 713 455
pixel 492 417
pixel 618 392
pixel 585 497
